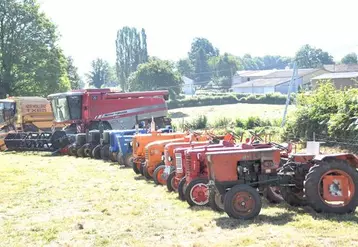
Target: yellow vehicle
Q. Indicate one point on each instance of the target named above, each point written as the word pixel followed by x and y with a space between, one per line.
pixel 24 114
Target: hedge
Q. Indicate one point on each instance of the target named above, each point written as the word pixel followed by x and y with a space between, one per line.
pixel 222 99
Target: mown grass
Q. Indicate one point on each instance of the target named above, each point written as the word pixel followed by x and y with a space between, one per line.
pixel 64 201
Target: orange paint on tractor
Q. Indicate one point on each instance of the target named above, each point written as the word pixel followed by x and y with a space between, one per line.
pixel 155 151
pixel 140 141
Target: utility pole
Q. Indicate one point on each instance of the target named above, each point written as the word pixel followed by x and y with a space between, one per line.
pixel 293 80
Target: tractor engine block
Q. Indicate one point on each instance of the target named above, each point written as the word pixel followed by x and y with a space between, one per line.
pixel 248 171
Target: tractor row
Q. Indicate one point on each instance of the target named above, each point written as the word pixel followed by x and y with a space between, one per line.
pixel 225 173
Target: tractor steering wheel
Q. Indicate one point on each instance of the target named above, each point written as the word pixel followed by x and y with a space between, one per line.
pixel 256 135
pixel 279 146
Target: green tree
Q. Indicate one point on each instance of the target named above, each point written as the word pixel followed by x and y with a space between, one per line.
pixel 350 58
pixel 112 80
pixel 72 72
pixel 202 68
pixel 99 74
pixel 311 57
pixel 224 67
pixel 30 61
pixel 131 50
pixel 201 50
pixel 185 68
pixel 156 75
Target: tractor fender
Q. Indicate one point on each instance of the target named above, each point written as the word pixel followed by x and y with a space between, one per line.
pixel 350 158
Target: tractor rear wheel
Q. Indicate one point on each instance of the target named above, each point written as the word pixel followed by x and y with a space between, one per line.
pixel 242 202
pixel 135 168
pixel 171 183
pixel 216 201
pixel 105 152
pixel 157 175
pixel 181 189
pixel 96 152
pixel 293 196
pixel 81 152
pixel 331 187
pixel 197 192
pixel 128 160
pixel 273 194
pixel 146 173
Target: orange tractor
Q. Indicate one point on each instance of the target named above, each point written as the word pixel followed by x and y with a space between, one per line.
pixel 327 183
pixel 154 160
pixel 140 141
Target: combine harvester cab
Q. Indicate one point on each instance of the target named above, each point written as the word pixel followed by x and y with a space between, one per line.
pixel 140 141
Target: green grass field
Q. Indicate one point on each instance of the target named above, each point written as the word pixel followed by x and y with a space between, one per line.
pixel 231 111
pixel 67 201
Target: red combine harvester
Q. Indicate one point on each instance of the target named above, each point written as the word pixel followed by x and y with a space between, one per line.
pixel 84 109
pixel 94 109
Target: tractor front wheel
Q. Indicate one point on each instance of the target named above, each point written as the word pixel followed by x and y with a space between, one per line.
pixel 113 156
pixel 135 168
pixel 331 187
pixel 216 201
pixel 293 196
pixel 72 150
pixel 128 160
pixel 197 192
pixel 81 152
pixel 87 150
pixel 157 175
pixel 146 173
pixel 105 152
pixel 273 194
pixel 181 189
pixel 141 168
pixel 96 152
pixel 242 202
pixel 171 184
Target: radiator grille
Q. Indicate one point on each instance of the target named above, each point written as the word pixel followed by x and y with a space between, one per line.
pixel 178 163
pixel 187 164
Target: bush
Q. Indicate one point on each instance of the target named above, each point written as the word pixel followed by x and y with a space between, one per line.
pixel 228 98
pixel 240 123
pixel 222 122
pixel 200 122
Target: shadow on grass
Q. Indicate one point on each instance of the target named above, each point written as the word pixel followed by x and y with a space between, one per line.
pixel 178 114
pixel 283 218
pixel 230 223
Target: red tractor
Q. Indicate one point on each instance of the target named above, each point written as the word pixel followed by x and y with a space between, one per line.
pixel 169 160
pixel 327 183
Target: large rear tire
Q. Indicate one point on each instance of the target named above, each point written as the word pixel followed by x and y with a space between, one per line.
pixel 157 175
pixel 242 202
pixel 338 171
pixel 81 152
pixel 197 192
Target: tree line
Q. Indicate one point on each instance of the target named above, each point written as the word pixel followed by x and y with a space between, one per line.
pixel 32 63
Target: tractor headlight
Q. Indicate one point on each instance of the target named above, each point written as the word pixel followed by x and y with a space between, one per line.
pixel 131 144
pixel 163 157
pixel 137 144
pixel 170 158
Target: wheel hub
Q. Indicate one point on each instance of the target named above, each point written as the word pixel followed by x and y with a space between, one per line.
pixel 244 203
pixel 200 194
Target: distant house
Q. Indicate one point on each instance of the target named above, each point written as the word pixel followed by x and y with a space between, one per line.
pixel 270 81
pixel 188 87
pixel 338 68
pixel 340 79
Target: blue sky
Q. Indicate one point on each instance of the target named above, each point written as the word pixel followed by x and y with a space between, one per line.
pixel 279 27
